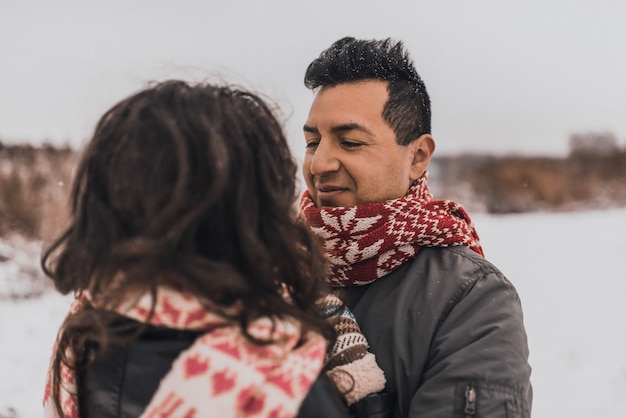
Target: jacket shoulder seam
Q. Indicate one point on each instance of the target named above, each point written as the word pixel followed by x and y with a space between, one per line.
pixel 483 270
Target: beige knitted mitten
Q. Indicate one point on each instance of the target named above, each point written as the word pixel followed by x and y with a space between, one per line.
pixel 349 365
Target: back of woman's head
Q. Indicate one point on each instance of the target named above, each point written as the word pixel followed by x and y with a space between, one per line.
pixel 194 182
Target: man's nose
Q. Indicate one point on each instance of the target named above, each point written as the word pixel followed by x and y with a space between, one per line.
pixel 325 159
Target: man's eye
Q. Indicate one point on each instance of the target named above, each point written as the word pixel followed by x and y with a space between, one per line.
pixel 351 144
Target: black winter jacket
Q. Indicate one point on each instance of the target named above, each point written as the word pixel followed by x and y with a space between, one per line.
pixel 121 384
pixel 447 329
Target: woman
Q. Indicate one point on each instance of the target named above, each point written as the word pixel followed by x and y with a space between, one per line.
pixel 195 286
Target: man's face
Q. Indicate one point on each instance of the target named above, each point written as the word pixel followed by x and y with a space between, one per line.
pixel 352 156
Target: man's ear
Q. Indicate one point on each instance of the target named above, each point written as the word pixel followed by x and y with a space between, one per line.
pixel 422 150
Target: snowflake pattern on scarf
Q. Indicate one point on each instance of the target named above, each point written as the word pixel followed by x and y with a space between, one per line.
pixel 368 241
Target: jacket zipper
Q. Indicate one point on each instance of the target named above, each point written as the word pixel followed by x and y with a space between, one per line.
pixel 470 401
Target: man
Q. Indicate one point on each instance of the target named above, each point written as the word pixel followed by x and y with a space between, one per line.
pixel 445 325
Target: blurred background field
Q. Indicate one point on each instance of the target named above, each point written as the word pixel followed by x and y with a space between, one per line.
pixel 35 182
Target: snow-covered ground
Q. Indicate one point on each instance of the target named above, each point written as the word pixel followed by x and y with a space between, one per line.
pixel 27 329
pixel 570 271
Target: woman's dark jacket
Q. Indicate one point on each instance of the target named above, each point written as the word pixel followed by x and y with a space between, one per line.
pixel 121 384
pixel 447 329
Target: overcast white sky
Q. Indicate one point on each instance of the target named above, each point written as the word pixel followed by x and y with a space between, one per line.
pixel 504 77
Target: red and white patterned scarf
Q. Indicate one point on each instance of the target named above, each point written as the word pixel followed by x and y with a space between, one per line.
pixel 222 373
pixel 366 242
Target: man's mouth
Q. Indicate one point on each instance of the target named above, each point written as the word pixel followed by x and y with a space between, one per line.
pixel 327 195
pixel 329 189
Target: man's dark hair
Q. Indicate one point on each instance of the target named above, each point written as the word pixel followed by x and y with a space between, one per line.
pixel 348 60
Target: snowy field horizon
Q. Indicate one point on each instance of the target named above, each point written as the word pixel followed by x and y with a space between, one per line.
pixel 567 267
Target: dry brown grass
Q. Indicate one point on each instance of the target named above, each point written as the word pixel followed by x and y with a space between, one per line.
pixel 35 183
pixel 521 184
pixel 34 189
pixel 524 184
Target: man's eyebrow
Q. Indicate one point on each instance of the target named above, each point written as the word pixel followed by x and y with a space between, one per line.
pixel 340 128
pixel 350 127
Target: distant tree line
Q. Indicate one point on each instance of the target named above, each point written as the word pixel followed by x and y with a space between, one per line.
pixel 591 176
pixel 35 182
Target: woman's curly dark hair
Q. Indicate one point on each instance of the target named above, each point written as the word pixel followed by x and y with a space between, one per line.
pixel 192 180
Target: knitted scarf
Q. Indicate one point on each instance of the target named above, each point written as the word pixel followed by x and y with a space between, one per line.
pixel 222 372
pixel 368 241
